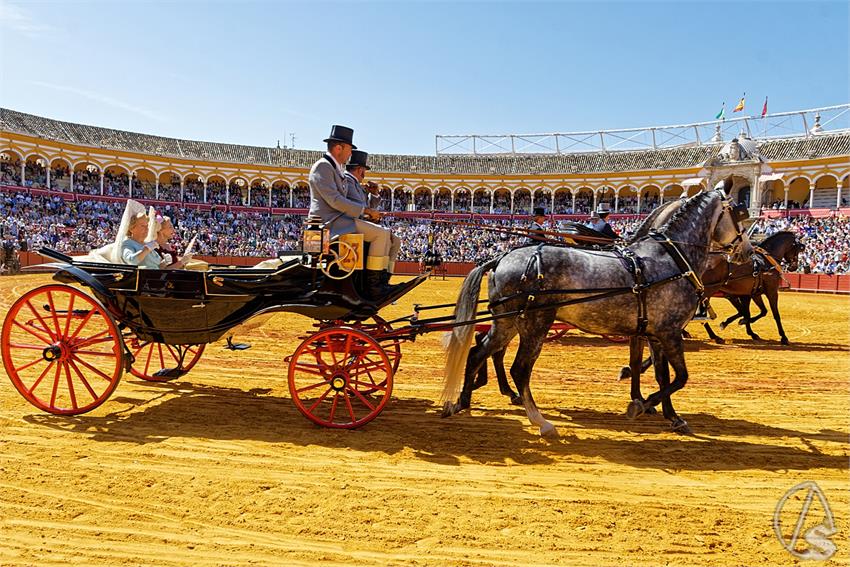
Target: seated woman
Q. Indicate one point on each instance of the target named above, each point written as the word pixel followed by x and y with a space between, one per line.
pixel 129 246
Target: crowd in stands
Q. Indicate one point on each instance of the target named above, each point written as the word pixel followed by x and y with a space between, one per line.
pixel 29 221
pixel 826 240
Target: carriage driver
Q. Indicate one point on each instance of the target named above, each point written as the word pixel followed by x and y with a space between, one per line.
pixel 329 201
pixel 367 195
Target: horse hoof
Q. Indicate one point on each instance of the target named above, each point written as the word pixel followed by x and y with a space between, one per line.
pixel 784 341
pixel 625 372
pixel 755 337
pixel 516 400
pixel 449 409
pixel 681 426
pixel 650 411
pixel 722 326
pixel 635 409
pixel 549 431
pixel 743 321
pixel 720 341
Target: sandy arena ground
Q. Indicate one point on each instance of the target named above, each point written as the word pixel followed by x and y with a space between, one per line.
pixel 219 468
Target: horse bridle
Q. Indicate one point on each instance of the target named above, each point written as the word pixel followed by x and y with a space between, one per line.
pixel 738 213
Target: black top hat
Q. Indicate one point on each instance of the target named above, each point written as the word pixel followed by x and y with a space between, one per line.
pixel 539 212
pixel 358 159
pixel 342 134
pixel 603 209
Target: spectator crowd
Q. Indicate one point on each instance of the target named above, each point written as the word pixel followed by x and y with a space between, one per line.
pixel 28 222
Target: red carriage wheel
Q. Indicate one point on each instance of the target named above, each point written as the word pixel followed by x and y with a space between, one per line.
pixel 340 377
pixel 61 349
pixel 159 362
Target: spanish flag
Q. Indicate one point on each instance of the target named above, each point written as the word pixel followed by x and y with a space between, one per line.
pixel 740 106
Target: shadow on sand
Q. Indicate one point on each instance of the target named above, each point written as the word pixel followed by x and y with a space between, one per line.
pixel 487 436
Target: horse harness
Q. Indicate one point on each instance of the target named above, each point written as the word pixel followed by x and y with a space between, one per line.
pixel 633 263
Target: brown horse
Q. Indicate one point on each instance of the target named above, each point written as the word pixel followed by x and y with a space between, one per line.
pixel 758 276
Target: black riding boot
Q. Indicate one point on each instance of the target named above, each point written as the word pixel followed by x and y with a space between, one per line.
pixel 376 286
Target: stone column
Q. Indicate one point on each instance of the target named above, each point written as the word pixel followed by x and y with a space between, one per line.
pixel 23 173
pixel 492 197
pixel 156 188
pixel 205 190
pixel 617 200
pixel 101 182
pixel 48 176
pixel 811 194
pixel 181 190
pixel 574 202
pixel 638 201
pixel 786 197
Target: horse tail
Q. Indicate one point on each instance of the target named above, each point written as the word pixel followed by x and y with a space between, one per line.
pixel 460 339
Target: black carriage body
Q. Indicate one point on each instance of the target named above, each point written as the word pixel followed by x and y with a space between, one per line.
pixel 181 307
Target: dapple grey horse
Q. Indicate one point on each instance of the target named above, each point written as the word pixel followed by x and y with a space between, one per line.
pixel 567 274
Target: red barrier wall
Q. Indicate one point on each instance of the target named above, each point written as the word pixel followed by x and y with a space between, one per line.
pixel 824 283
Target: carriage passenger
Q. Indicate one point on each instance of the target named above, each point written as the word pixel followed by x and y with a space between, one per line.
pixel 537 230
pixel 599 221
pixel 129 246
pixel 367 195
pixel 160 231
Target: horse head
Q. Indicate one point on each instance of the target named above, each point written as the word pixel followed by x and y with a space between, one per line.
pixel 729 233
pixel 791 258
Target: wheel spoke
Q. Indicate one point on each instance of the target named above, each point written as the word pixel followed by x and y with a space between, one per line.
pixel 82 324
pixel 148 363
pixel 45 328
pixel 93 353
pixel 350 409
pixel 55 385
pixel 347 346
pixel 70 386
pixel 319 400
pixel 362 398
pixel 161 358
pixel 28 347
pixel 69 315
pixel 33 333
pixel 29 364
pixel 53 312
pixel 369 385
pixel 41 377
pixel 312 386
pixel 92 368
pixel 91 340
pixel 333 407
pixel 83 379
pixel 309 368
pixel 174 355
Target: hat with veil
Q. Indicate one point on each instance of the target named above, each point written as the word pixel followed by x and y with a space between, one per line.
pixel 134 209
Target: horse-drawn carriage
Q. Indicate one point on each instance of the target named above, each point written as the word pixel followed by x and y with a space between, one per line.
pixel 65 349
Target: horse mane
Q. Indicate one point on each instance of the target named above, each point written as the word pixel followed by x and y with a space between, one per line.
pixel 646 225
pixel 684 214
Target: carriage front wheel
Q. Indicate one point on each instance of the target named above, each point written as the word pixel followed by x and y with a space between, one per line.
pixel 340 377
pixel 61 349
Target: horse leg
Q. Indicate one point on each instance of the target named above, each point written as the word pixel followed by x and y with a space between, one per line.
pixel 662 376
pixel 626 371
pixel 772 293
pixel 532 334
pixel 505 388
pixel 757 299
pixel 497 338
pixel 481 379
pixel 737 305
pixel 672 348
pixel 711 334
pixel 748 323
pixel 635 369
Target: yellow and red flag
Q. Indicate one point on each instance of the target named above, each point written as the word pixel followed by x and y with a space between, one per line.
pixel 740 106
pixel 764 108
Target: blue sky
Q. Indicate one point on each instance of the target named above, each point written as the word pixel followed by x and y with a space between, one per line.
pixel 401 72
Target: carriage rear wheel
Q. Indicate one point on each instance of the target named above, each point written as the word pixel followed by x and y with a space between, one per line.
pixel 160 362
pixel 61 349
pixel 340 377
